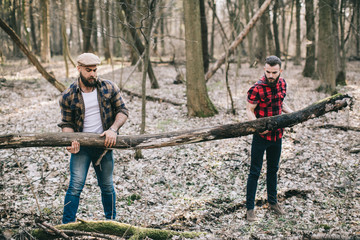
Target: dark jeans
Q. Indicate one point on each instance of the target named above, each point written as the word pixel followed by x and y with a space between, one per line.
pixel 79 166
pixel 273 152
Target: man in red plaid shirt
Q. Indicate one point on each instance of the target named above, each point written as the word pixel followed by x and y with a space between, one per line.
pixel 265 99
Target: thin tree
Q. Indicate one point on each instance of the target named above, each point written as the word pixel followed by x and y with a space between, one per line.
pixel 334 5
pixel 105 29
pixel 341 75
pixel 212 36
pixel 33 30
pixel 288 36
pixel 357 26
pixel 326 62
pixel 297 60
pixel 276 29
pixel 204 36
pixel 248 10
pixel 261 31
pixel 198 101
pixel 147 36
pixel 309 68
pixel 45 32
pixel 85 13
pixel 138 45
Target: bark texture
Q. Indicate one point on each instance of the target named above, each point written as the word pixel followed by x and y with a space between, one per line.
pixel 333 103
pixel 198 101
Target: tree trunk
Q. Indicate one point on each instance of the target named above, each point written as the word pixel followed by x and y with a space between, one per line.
pixel 237 41
pixel 333 103
pixel 204 36
pixel 309 69
pixel 249 13
pixel 212 38
pixel 85 13
pixel 298 34
pixel 50 78
pixel 198 101
pixel 105 29
pixel 326 59
pixel 33 28
pixel 15 23
pixel 138 44
pixel 45 32
pixel 269 34
pixel 63 34
pixel 146 61
pixel 341 75
pixel 357 27
pixel 336 38
pixel 288 37
pixel 261 31
pixel 276 29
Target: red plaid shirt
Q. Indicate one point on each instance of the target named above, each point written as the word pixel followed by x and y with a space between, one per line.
pixel 269 103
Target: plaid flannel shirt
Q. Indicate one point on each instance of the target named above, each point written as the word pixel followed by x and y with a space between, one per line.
pixel 73 108
pixel 269 103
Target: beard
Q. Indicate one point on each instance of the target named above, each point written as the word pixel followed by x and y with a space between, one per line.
pixel 86 81
pixel 272 83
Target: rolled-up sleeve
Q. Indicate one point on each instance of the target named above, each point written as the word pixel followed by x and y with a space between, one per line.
pixel 118 102
pixel 253 95
pixel 66 114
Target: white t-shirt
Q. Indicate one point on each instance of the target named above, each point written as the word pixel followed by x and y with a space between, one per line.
pixel 92 121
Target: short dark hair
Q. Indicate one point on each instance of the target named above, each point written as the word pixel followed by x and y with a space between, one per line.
pixel 273 60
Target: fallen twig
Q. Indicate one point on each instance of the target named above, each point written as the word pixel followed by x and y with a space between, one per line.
pixel 344 128
pixel 151 98
pixel 48 227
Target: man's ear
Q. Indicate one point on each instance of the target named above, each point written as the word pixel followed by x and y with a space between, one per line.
pixel 78 68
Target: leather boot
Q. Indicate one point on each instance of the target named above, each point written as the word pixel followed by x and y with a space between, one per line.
pixel 276 209
pixel 250 215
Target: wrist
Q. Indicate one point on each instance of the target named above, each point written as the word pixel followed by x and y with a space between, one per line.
pixel 112 129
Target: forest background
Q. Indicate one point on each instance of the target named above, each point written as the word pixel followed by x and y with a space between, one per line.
pixel 198 187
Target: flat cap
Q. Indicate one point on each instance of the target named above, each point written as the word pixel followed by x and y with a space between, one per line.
pixel 88 59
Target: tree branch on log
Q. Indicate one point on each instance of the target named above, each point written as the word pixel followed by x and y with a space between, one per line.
pixel 238 40
pixel 51 230
pixel 148 141
pixel 151 98
pixel 49 77
pixel 116 229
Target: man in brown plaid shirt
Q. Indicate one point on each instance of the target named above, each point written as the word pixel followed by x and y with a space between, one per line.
pixel 91 104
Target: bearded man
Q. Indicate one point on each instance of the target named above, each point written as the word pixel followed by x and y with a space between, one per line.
pixel 265 99
pixel 92 105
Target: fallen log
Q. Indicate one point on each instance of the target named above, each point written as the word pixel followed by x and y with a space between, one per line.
pixel 115 229
pixel 147 141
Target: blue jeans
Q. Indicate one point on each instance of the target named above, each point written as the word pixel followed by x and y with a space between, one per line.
pixel 273 152
pixel 79 166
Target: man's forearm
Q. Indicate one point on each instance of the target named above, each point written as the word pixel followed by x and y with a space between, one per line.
pixel 67 129
pixel 286 108
pixel 120 119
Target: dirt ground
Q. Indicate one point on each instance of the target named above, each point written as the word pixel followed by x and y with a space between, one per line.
pixel 195 187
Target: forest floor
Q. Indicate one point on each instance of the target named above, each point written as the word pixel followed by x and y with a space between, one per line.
pixel 195 187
